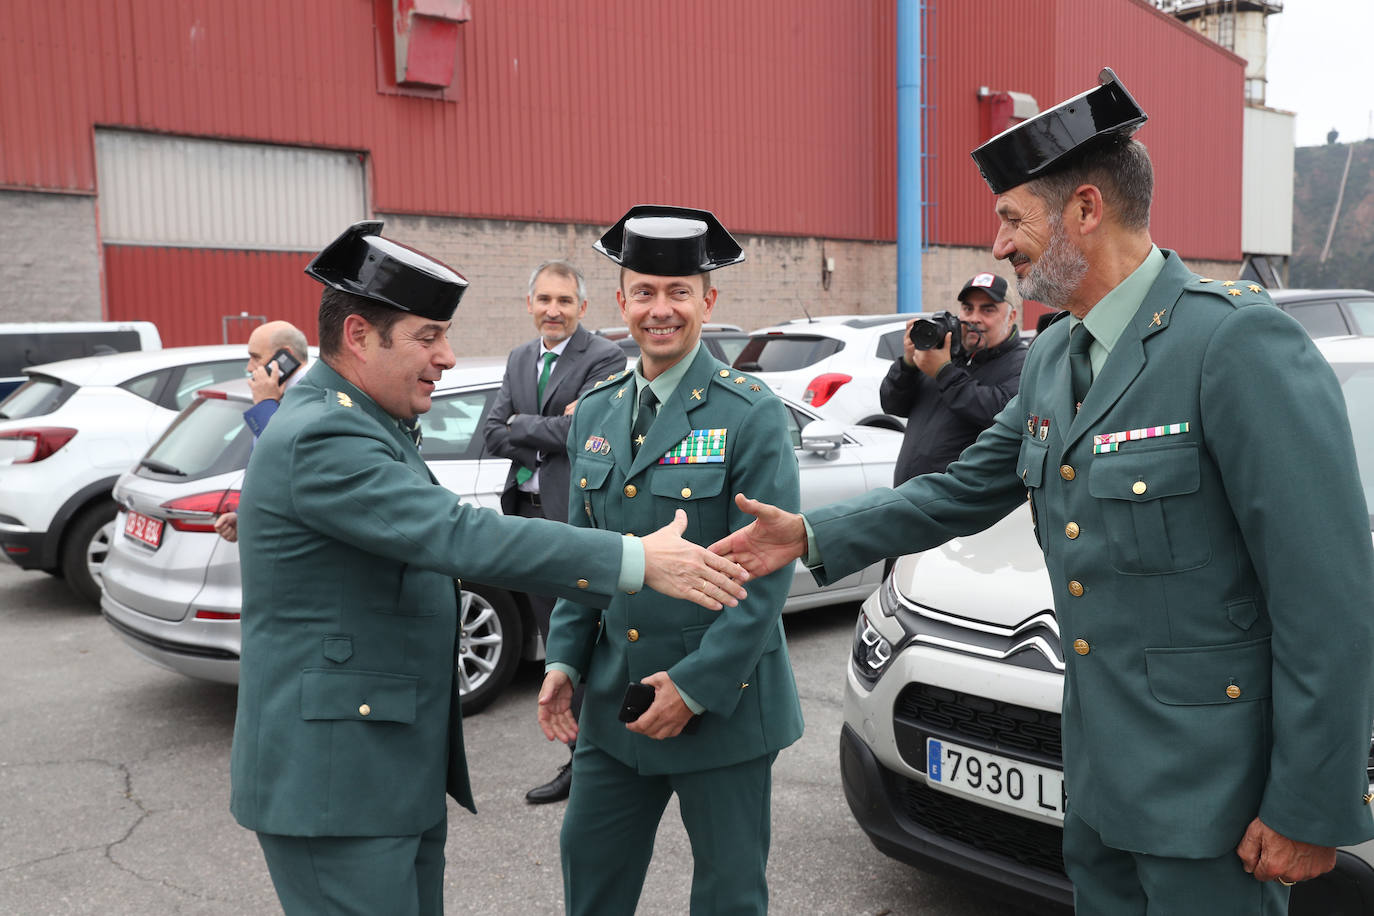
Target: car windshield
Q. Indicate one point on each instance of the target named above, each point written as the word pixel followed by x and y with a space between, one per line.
pixel 785 352
pixel 1357 384
pixel 1363 310
pixel 39 396
pixel 205 439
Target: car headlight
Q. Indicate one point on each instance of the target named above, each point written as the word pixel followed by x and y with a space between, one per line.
pixel 888 602
pixel 872 651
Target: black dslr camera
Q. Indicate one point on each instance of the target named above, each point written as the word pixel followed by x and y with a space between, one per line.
pixel 929 333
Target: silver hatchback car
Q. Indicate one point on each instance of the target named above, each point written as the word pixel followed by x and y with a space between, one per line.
pixel 172 587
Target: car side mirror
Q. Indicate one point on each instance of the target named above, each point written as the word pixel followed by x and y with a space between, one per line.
pixel 824 438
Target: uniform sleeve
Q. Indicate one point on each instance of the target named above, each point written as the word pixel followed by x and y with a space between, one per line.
pixel 765 464
pixel 1275 421
pixel 350 482
pixel 975 492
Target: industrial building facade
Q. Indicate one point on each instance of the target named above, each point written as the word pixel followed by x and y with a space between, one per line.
pixel 179 160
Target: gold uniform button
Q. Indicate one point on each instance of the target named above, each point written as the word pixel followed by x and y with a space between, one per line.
pixel 582 583
pixel 630 490
pixel 1233 691
pixel 582 483
pixel 725 373
pixel 632 635
pixel 686 492
pixel 1067 472
pixel 364 710
pixel 1071 530
pixel 1081 646
pixel 1139 488
pixel 1075 588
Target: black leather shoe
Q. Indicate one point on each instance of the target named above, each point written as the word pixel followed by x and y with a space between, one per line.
pixel 555 790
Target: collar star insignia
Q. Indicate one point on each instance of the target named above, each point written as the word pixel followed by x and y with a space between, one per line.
pixel 696 393
pixel 345 400
pixel 756 387
pixel 1228 283
pixel 739 380
pixel 1233 292
pixel 1255 288
pixel 639 440
pixel 620 393
pixel 1158 315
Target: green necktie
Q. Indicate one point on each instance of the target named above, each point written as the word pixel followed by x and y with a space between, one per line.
pixel 648 409
pixel 1080 364
pixel 523 474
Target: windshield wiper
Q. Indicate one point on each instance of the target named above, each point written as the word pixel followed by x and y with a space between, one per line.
pixel 161 467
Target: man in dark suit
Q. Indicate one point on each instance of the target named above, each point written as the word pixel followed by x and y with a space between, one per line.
pixel 1178 438
pixel 349 728
pixel 529 421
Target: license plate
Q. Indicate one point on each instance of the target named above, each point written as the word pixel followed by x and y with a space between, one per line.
pixel 143 529
pixel 994 779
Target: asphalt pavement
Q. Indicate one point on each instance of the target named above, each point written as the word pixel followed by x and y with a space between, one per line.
pixel 114 790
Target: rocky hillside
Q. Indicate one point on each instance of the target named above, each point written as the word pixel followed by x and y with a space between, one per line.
pixel 1350 262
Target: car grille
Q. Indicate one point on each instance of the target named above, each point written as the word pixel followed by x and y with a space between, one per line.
pixel 923 710
pixel 1032 843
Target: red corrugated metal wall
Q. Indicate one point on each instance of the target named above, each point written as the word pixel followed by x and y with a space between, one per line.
pixel 1192 89
pixel 188 291
pixel 564 111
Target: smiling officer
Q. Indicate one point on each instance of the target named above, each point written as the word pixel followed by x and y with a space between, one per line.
pixel 679 433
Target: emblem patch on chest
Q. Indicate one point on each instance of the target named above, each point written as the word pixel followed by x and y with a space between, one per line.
pixel 1110 442
pixel 701 446
pixel 597 445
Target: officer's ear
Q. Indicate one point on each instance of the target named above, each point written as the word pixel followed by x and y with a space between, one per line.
pixel 1084 212
pixel 360 337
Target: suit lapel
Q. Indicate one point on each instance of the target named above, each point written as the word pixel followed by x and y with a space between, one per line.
pixel 1127 358
pixel 615 425
pixel 565 367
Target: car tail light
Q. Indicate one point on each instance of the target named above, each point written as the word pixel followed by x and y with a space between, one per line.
pixel 823 387
pixel 217 395
pixel 216 615
pixel 198 512
pixel 46 440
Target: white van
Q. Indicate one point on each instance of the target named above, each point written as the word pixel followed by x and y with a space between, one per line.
pixel 34 343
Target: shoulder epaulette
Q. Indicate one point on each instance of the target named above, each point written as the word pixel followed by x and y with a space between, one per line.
pixel 1239 292
pixel 744 385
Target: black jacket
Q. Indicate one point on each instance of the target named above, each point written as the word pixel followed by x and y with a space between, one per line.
pixel 946 413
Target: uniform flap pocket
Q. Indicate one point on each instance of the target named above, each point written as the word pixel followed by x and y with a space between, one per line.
pixel 688 481
pixel 1030 464
pixel 1144 475
pixel 592 474
pixel 359 695
pixel 338 648
pixel 1209 675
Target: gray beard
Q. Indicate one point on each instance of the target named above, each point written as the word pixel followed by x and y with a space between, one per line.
pixel 1054 278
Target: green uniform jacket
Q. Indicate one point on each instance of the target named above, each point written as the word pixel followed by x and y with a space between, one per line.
pixel 348 721
pixel 1212 584
pixel 733 662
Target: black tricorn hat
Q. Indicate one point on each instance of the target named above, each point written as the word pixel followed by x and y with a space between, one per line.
pixel 669 241
pixel 1033 147
pixel 363 263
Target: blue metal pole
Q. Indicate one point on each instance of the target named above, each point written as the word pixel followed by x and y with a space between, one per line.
pixel 909 191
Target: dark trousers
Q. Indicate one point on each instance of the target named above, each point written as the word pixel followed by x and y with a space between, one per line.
pixel 612 818
pixel 1116 882
pixel 358 876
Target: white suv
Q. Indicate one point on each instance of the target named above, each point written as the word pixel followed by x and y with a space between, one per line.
pixel 833 364
pixel 960 651
pixel 69 432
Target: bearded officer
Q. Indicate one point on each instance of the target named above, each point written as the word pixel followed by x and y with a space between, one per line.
pixel 681 432
pixel 349 729
pixel 1173 433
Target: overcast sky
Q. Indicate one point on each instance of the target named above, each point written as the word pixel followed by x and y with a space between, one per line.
pixel 1321 67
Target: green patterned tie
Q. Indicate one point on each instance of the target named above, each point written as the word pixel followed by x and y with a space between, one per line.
pixel 523 474
pixel 648 409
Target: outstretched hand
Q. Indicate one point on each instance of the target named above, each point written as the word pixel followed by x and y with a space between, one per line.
pixel 773 540
pixel 1271 856
pixel 680 569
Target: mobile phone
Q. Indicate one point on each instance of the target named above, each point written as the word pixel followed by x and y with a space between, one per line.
pixel 638 698
pixel 286 364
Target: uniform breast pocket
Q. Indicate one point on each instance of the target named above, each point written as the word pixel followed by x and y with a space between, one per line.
pixel 694 489
pixel 1030 467
pixel 1151 509
pixel 589 482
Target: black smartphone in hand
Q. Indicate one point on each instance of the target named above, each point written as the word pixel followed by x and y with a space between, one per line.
pixel 286 364
pixel 638 698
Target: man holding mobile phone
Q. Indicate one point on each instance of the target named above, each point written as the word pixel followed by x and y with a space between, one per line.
pixel 277 357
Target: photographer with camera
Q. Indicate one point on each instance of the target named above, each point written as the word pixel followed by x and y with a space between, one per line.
pixel 955 373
